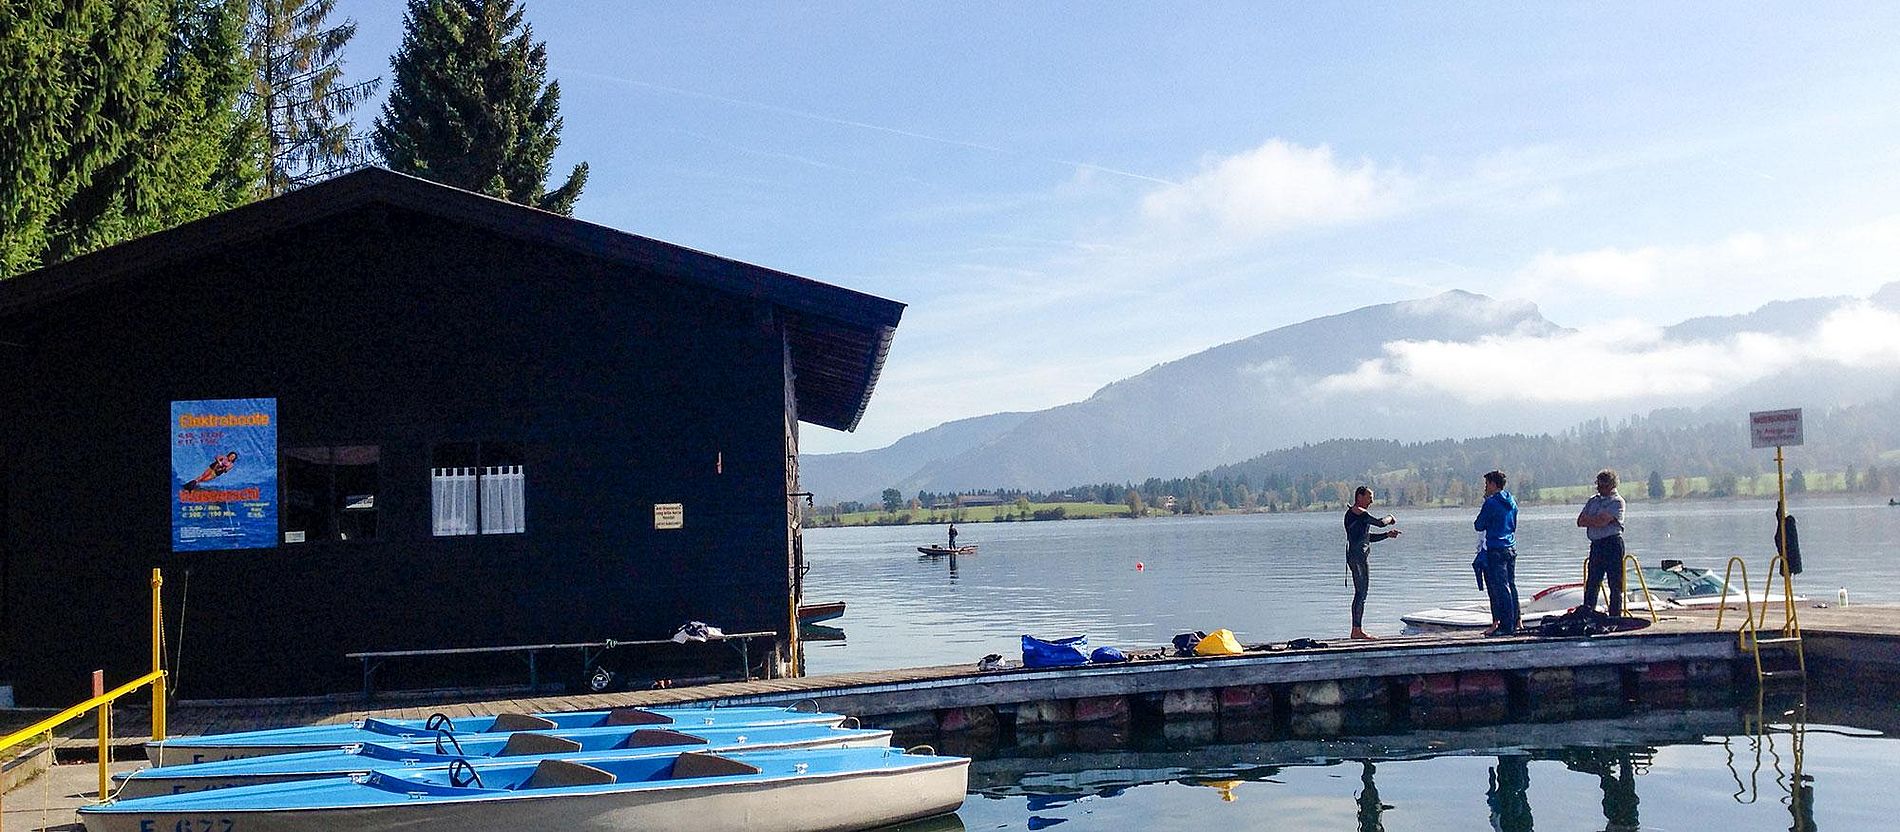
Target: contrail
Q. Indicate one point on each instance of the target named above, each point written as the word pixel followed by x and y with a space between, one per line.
pixel 844 122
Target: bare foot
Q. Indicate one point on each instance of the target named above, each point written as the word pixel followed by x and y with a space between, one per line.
pixel 1362 635
pixel 1491 629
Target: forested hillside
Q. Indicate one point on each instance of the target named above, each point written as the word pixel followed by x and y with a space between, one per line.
pixel 1857 446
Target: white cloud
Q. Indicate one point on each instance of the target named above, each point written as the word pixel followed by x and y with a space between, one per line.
pixel 1739 272
pixel 1459 306
pixel 1276 187
pixel 1618 361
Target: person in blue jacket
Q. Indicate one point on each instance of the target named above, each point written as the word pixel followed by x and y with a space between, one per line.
pixel 1497 518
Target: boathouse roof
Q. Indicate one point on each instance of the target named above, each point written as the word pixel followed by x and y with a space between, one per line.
pixel 838 338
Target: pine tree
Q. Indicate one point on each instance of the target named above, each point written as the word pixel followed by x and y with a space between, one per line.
pixel 1656 489
pixel 297 94
pixel 471 106
pixel 117 120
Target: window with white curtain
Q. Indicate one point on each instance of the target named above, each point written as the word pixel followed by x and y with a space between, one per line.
pixel 477 488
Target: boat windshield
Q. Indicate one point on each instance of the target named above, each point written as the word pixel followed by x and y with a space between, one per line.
pixel 1682 583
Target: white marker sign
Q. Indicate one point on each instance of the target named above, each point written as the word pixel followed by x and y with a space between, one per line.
pixel 668 515
pixel 1775 428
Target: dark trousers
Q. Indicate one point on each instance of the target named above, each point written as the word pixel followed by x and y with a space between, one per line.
pixel 1500 582
pixel 1361 581
pixel 1606 564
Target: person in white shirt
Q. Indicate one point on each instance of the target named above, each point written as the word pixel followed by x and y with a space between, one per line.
pixel 1602 521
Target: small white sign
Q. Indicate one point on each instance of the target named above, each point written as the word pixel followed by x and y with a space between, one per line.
pixel 1775 428
pixel 668 515
pixel 294 537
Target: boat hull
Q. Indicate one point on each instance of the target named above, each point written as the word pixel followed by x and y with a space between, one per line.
pixel 1557 600
pixel 820 803
pixel 289 768
pixel 824 611
pixel 1464 619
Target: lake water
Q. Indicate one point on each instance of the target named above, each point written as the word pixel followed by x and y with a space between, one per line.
pixel 1267 577
pixel 1697 770
pixel 1281 576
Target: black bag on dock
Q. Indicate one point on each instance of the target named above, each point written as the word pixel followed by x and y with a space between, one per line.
pixel 1184 643
pixel 1584 621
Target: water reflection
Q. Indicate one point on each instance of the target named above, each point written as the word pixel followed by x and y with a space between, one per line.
pixel 1616 777
pixel 1371 810
pixel 820 632
pixel 940 823
pixel 1581 774
pixel 1796 786
pixel 1508 796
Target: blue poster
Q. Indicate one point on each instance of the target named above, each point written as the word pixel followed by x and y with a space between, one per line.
pixel 224 474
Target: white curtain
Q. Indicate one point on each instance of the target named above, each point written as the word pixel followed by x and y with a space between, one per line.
pixel 453 493
pixel 503 508
pixel 503 503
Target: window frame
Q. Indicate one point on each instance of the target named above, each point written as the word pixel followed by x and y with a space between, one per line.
pixel 333 497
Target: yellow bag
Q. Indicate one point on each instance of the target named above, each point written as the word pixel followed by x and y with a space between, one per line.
pixel 1221 642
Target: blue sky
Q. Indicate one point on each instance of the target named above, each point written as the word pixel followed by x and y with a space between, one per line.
pixel 1066 195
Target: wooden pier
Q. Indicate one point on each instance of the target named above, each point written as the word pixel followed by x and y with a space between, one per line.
pixel 1678 678
pixel 1441 680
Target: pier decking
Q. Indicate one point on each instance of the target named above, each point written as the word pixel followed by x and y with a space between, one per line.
pixel 1481 679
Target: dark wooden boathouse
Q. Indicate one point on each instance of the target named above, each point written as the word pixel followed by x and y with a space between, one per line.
pixel 492 426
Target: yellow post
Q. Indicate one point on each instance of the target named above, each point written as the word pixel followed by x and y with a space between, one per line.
pixel 158 657
pixel 1781 550
pixel 1781 505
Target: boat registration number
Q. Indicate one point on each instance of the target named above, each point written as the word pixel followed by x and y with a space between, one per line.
pixel 188 825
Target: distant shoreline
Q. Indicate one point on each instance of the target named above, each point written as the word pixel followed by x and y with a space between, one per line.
pixel 1051 512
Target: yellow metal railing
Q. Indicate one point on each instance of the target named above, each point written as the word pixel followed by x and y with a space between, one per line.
pixel 1790 613
pixel 1747 606
pixel 101 702
pixel 1790 617
pixel 1648 599
pixel 1748 635
pixel 1630 563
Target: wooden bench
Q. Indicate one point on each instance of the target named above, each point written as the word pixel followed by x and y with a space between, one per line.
pixel 590 652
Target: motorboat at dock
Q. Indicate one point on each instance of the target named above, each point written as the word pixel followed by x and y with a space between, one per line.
pixel 806 790
pixel 1673 585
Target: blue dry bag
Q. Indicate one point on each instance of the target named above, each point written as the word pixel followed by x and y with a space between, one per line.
pixel 1107 655
pixel 1059 653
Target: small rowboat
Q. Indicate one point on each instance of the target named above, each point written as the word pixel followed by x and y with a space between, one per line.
pixel 583 745
pixel 935 551
pixel 810 790
pixel 821 611
pixel 213 747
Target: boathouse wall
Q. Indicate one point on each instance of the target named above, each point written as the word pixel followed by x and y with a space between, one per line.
pixel 388 335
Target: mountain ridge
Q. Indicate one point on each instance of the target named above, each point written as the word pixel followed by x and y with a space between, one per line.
pixel 1306 382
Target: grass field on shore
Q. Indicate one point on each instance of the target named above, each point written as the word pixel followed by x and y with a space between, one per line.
pixel 1692 488
pixel 973 514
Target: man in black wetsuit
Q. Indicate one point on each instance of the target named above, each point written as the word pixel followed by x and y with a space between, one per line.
pixel 1359 539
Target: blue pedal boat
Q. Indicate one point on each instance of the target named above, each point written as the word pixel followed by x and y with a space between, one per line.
pixel 214 747
pixel 579 745
pixel 806 790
